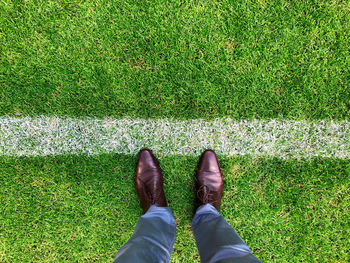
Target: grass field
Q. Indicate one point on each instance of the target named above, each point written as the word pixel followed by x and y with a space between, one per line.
pixel 183 60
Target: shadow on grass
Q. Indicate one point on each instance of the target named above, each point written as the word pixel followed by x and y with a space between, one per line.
pixel 84 208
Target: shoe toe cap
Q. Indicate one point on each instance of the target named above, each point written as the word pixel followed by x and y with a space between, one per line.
pixel 209 162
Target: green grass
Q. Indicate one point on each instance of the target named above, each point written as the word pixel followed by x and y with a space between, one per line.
pixel 189 59
pixel 178 59
pixel 85 208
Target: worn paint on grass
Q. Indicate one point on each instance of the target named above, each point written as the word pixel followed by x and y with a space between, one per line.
pixel 40 136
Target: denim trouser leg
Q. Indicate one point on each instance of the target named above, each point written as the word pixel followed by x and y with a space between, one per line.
pixel 216 240
pixel 153 238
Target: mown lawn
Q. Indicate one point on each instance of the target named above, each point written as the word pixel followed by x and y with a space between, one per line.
pixel 241 59
pixel 183 59
pixel 84 209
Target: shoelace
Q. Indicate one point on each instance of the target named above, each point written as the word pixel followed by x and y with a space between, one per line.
pixel 152 198
pixel 204 195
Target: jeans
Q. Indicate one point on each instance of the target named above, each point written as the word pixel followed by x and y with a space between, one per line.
pixel 155 233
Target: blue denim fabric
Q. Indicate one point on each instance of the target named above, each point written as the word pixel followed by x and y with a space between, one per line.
pixel 216 240
pixel 153 238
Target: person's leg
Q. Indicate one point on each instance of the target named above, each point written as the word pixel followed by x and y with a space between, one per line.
pixel 216 240
pixel 153 238
pixel 154 235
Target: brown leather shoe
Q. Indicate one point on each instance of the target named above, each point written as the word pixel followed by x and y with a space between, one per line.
pixel 149 181
pixel 210 183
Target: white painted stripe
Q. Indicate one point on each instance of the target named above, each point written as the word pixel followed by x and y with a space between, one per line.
pixel 40 136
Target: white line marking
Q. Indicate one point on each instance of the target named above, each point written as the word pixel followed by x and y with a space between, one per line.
pixel 41 136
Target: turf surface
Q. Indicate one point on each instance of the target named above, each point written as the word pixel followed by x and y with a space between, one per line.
pixel 239 59
pixel 85 208
pixel 194 59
